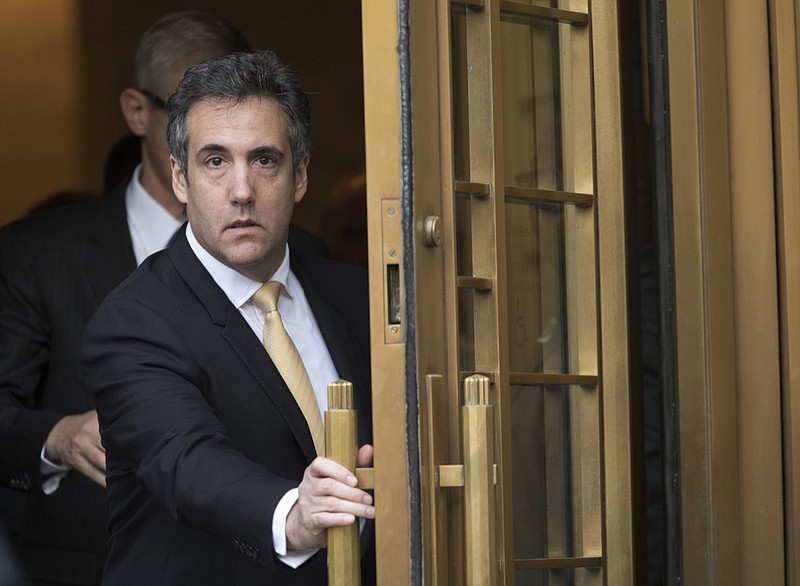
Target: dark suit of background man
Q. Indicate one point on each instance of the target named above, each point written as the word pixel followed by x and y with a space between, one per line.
pixel 213 475
pixel 55 268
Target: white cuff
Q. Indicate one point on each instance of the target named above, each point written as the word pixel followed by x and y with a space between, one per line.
pixel 294 558
pixel 56 473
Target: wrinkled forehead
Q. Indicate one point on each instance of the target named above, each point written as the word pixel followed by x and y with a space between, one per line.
pixel 258 108
pixel 252 119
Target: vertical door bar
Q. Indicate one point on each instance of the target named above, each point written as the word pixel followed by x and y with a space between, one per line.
pixel 426 297
pixel 489 246
pixel 479 516
pixel 785 63
pixel 755 282
pixel 613 286
pixel 700 178
pixel 341 446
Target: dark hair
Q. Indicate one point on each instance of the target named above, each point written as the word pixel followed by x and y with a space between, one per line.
pixel 238 77
pixel 178 40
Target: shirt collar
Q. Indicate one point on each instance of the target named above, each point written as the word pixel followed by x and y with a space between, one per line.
pixel 156 223
pixel 237 287
pixel 142 205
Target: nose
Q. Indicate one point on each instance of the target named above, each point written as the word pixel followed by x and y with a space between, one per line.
pixel 242 192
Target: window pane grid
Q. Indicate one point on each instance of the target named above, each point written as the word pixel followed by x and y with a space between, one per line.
pixel 541 202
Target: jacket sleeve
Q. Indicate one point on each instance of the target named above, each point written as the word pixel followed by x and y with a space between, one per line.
pixel 156 421
pixel 24 354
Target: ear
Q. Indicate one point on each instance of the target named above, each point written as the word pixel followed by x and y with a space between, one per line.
pixel 135 111
pixel 301 180
pixel 179 181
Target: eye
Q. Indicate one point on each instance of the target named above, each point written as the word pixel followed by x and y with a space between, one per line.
pixel 266 160
pixel 215 161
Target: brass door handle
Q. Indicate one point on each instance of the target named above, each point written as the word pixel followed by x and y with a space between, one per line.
pixel 341 446
pixel 478 477
pixel 479 481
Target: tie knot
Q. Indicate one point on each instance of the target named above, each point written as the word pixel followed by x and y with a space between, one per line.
pixel 266 298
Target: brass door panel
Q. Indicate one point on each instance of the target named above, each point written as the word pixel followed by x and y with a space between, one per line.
pixel 504 134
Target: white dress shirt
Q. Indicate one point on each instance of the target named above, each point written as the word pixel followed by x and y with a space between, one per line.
pixel 298 319
pixel 150 224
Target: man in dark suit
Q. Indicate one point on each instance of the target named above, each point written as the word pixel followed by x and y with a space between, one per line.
pixel 55 268
pixel 214 467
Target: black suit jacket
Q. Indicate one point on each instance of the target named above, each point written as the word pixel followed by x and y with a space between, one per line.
pixel 55 268
pixel 203 437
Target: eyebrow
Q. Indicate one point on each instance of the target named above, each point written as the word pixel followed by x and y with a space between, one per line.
pixel 211 148
pixel 262 150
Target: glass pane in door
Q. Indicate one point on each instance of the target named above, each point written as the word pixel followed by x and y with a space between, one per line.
pixel 537 309
pixel 532 112
pixel 555 457
pixel 555 426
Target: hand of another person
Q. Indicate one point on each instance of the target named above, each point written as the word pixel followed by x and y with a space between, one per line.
pixel 327 497
pixel 75 442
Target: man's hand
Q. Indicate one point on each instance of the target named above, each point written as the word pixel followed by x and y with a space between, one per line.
pixel 328 497
pixel 75 442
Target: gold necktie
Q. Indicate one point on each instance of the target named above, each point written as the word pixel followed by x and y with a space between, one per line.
pixel 287 360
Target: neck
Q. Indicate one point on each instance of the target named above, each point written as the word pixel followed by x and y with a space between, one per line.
pixel 159 192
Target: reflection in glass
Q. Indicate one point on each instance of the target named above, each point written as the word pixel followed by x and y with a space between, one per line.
pixel 532 117
pixel 577 576
pixel 555 457
pixel 458 48
pixel 536 269
pixel 466 330
pixel 463 230
pixel 545 3
pixel 541 453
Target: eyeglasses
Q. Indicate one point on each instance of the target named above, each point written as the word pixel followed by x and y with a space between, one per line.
pixel 154 99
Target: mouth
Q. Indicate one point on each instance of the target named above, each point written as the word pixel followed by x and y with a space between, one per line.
pixel 242 224
pixel 244 228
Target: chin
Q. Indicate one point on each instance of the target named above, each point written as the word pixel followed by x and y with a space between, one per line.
pixel 245 260
pixel 247 263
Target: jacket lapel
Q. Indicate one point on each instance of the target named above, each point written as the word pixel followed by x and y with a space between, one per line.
pixel 238 334
pixel 336 332
pixel 252 354
pixel 109 253
pixel 331 325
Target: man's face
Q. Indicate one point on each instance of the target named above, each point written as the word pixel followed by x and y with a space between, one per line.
pixel 241 187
